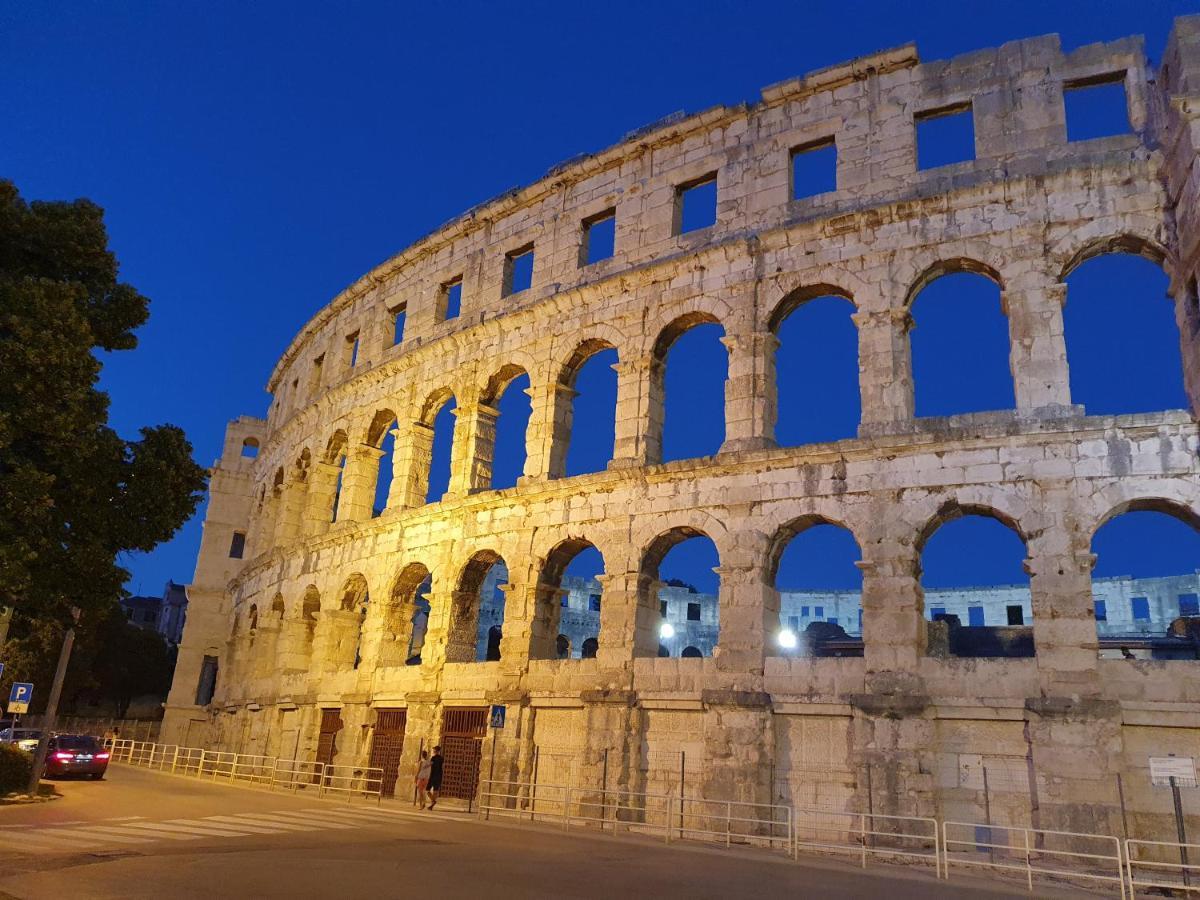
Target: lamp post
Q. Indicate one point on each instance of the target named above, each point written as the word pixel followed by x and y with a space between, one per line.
pixel 48 720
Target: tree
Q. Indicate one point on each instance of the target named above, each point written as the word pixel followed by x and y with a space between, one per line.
pixel 73 494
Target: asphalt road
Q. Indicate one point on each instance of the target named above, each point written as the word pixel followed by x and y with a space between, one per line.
pixel 145 834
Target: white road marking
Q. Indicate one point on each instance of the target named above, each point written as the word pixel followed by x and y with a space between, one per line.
pixel 247 825
pixel 100 833
pixel 175 832
pixel 307 819
pixel 344 815
pixel 278 822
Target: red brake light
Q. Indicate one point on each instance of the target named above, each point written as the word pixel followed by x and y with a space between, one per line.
pixel 103 754
pixel 61 755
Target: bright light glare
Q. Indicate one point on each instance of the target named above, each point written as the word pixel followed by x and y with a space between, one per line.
pixel 666 631
pixel 787 639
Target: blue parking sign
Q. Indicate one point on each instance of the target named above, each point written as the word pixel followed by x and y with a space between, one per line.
pixel 19 697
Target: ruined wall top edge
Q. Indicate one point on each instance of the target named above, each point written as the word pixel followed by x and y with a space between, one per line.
pixel 866 107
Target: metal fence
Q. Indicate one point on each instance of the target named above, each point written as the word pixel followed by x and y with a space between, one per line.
pixel 248 768
pixel 100 726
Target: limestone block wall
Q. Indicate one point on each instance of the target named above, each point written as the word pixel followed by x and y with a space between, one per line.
pixel 312 617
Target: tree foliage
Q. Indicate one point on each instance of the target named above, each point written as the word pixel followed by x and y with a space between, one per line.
pixel 74 495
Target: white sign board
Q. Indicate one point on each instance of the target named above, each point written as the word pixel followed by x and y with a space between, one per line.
pixel 1181 768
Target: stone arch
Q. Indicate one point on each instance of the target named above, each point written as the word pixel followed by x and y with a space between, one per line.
pixel 954 630
pixel 467 621
pixel 951 265
pixel 559 416
pixel 549 622
pixel 433 444
pixel 798 296
pixel 649 615
pixel 381 422
pixel 250 448
pixel 1176 508
pixel 406 616
pixel 278 611
pixel 1073 251
pixel 583 351
pixel 662 428
pixel 335 447
pixel 502 429
pixel 777 289
pixel 344 626
pixel 309 616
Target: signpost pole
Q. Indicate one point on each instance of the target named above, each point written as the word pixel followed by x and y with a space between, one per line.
pixel 1180 830
pixel 48 721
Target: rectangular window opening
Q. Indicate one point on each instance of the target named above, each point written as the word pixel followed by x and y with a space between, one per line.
pixel 1101 611
pixel 945 136
pixel 207 684
pixel 814 169
pixel 819 612
pixel 451 299
pixel 696 204
pixel 1016 614
pixel 599 237
pixel 804 611
pixel 975 616
pixel 1189 605
pixel 594 603
pixel 1096 107
pixel 398 316
pixel 318 365
pixel 1141 609
pixel 937 612
pixel 518 270
pixel 662 608
pixel 351 350
pixel 237 547
pixel 693 612
pixel 794 623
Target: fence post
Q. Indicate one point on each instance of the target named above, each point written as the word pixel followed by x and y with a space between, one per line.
pixel 174 759
pixel 567 805
pixel 728 818
pixel 1028 862
pixel 667 818
pixel 862 827
pixel 987 817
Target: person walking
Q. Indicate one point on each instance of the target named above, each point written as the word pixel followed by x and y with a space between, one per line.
pixel 435 776
pixel 423 769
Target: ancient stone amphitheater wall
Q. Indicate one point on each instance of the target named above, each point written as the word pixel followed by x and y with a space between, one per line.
pixel 283 622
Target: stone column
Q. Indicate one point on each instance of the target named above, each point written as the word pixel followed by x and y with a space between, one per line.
pixel 748 610
pixel 357 500
pixel 1038 348
pixel 1064 619
pixel 475 448
pixel 462 625
pixel 894 634
pixel 739 748
pixel 549 431
pixel 531 615
pixel 266 649
pixel 884 368
pixel 410 467
pixel 392 634
pixel 640 413
pixel 628 626
pixel 750 391
pixel 287 525
pixel 292 646
pixel 318 507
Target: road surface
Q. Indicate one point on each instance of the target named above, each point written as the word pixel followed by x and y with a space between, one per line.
pixel 147 834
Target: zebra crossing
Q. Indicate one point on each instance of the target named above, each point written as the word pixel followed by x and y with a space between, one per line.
pixel 134 831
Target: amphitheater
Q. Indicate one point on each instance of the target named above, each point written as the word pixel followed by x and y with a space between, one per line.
pixel 302 607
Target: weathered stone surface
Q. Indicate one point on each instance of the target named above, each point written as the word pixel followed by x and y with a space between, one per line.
pixel 908 730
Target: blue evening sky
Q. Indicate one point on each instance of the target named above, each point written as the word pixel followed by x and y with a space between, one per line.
pixel 255 158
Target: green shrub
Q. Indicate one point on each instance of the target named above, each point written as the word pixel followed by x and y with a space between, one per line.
pixel 15 767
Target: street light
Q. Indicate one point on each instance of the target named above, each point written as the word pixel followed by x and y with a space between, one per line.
pixel 787 639
pixel 666 631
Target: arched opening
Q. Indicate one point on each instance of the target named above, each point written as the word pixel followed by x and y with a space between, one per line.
pixel 508 394
pixel 586 411
pixel 477 607
pixel 1145 584
pixel 814 568
pixel 250 448
pixel 691 367
pixel 974 584
pixel 960 342
pixel 1122 338
pixel 402 639
pixel 277 609
pixel 691 653
pixel 310 613
pixel 588 648
pixel 252 623
pixel 439 417
pixel 816 367
pixel 679 594
pixel 335 457
pixel 382 436
pixel 346 640
pixel 562 647
pixel 568 599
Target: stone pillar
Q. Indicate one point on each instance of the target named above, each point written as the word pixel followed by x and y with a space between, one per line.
pixel 287 526
pixel 335 641
pixel 322 490
pixel 739 748
pixel 292 649
pixel 357 500
pixel 1038 348
pixel 531 616
pixel 628 626
pixel 884 368
pixel 750 391
pixel 462 626
pixel 749 615
pixel 392 633
pixel 410 467
pixel 549 433
pixel 894 634
pixel 640 413
pixel 475 445
pixel 266 649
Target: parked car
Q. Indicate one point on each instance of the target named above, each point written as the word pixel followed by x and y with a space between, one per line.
pixel 25 738
pixel 76 754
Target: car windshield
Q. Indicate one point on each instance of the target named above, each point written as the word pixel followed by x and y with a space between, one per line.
pixel 76 742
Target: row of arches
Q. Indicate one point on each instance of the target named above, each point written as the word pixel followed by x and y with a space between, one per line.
pixel 970 566
pixel 1123 351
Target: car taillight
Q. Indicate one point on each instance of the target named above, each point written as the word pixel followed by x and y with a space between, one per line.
pixel 103 754
pixel 64 755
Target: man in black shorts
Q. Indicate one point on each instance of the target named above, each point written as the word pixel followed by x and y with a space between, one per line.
pixel 435 776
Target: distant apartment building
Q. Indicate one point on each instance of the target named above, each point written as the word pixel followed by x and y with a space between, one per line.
pixel 165 614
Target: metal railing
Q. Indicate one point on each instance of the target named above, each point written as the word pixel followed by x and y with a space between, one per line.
pixel 255 769
pixel 1062 855
pixel 620 810
pixel 866 834
pixel 1161 874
